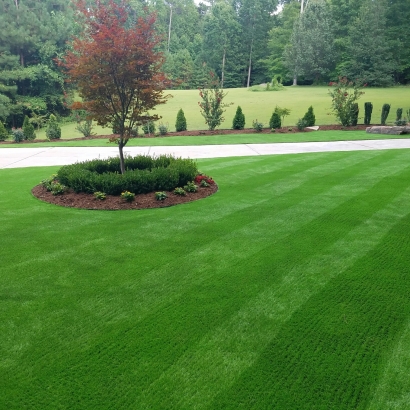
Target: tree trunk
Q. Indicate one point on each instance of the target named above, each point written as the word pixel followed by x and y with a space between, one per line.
pixel 121 145
pixel 223 69
pixel 250 66
pixel 295 80
pixel 169 27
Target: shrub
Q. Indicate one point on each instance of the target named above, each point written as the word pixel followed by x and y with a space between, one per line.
pixel 85 127
pixel 275 121
pixel 239 120
pixel 191 187
pixel 345 94
pixel 212 105
pixel 28 129
pixel 100 195
pixel 48 182
pixel 143 175
pixel 17 134
pixel 199 178
pixel 385 113
pixel 180 124
pixel 3 132
pixel 179 191
pixel 301 124
pixel 53 130
pixel 399 114
pixel 127 196
pixel 149 127
pixel 368 109
pixel 355 113
pixel 161 196
pixel 58 189
pixel 282 112
pixel 204 184
pixel 257 126
pixel 163 129
pixel 309 118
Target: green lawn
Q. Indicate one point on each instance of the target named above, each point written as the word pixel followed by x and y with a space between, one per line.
pixel 220 139
pixel 288 289
pixel 260 105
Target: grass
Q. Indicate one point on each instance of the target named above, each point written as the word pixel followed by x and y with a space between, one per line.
pixel 220 139
pixel 260 105
pixel 287 289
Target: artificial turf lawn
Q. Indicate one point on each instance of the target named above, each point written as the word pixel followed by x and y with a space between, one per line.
pixel 288 289
pixel 256 138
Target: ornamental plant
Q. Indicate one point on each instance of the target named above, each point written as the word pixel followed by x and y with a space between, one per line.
pixel 180 124
pixel 53 131
pixel 28 129
pixel 18 134
pixel 344 94
pixel 385 113
pixel 355 113
pixel 239 120
pixel 127 196
pixel 211 104
pixel 199 178
pixel 3 132
pixel 275 121
pixel 282 112
pixel 309 118
pixel 257 126
pixel 368 109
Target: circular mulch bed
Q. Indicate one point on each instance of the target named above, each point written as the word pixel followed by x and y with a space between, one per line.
pixel 114 203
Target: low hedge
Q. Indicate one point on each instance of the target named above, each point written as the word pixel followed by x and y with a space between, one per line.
pixel 143 174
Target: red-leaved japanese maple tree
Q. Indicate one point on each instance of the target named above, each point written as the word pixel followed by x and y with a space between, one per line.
pixel 116 68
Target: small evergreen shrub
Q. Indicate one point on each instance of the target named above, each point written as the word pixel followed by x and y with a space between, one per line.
pixel 163 129
pixel 58 189
pixel 149 128
pixel 385 113
pixel 3 132
pixel 355 113
pixel 399 114
pixel 309 118
pixel 368 109
pixel 28 129
pixel 180 124
pixel 257 126
pixel 275 121
pixel 301 124
pixel 17 134
pixel 239 120
pixel 53 131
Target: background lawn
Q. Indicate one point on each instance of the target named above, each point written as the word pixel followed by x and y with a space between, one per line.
pixel 260 105
pixel 288 289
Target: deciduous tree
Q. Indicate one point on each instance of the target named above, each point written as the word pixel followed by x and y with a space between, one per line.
pixel 117 69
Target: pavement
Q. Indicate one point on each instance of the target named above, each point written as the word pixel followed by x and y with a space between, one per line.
pixel 48 156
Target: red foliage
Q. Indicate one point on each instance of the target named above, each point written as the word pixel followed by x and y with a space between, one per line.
pixel 200 178
pixel 116 69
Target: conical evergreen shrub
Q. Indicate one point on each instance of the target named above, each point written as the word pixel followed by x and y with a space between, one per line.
pixel 368 109
pixel 3 132
pixel 275 121
pixel 28 129
pixel 180 124
pixel 239 120
pixel 309 117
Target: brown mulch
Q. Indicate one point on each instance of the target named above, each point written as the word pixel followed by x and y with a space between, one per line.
pixel 113 203
pixel 283 130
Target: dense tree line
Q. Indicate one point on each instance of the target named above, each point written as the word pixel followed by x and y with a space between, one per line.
pixel 243 42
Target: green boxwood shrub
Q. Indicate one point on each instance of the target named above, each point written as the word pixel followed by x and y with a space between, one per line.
pixel 309 118
pixel 385 113
pixel 180 124
pixel 239 120
pixel 28 129
pixel 368 109
pixel 143 174
pixel 275 121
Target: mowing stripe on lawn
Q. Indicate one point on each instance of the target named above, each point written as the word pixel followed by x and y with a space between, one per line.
pixel 138 298
pixel 255 326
